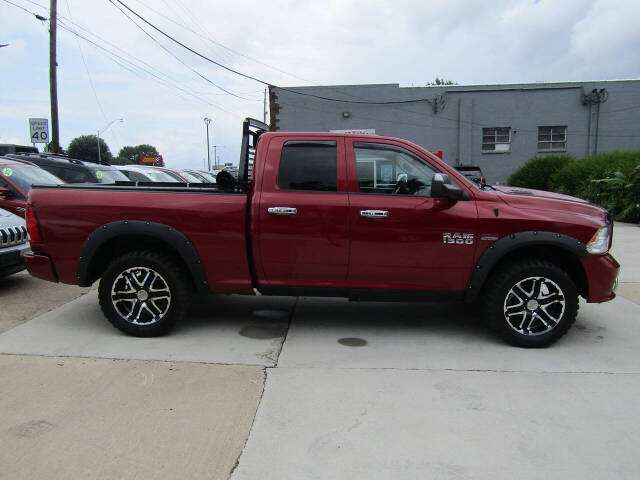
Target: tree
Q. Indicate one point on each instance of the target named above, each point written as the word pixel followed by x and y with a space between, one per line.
pixel 128 154
pixel 441 81
pixel 85 147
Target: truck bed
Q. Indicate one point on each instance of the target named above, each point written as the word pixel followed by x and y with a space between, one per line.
pixel 212 221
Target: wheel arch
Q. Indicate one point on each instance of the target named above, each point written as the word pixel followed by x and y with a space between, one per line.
pixel 561 250
pixel 110 240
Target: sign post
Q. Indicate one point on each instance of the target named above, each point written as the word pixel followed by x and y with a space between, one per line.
pixel 39 128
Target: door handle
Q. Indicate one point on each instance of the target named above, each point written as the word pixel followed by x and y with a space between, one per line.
pixel 282 211
pixel 374 213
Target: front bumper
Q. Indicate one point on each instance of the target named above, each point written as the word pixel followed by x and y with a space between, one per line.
pixel 602 277
pixel 11 259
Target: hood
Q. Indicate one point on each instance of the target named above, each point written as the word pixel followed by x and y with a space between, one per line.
pixel 8 219
pixel 530 192
pixel 527 198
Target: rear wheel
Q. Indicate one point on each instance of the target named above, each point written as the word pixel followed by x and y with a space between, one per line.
pixel 531 303
pixel 144 293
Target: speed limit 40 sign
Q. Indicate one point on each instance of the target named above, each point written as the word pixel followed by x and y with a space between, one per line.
pixel 39 130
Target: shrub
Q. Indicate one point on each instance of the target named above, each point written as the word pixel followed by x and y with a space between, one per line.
pixel 575 177
pixel 619 193
pixel 538 171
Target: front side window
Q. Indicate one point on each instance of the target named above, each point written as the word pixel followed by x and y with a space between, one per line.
pixel 391 172
pixel 309 166
pixel 496 139
pixel 552 138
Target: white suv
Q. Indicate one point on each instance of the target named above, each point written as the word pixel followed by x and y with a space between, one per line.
pixel 13 243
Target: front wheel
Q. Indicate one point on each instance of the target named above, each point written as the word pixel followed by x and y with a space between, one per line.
pixel 531 303
pixel 144 293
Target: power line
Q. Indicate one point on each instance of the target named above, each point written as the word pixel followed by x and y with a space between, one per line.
pixel 86 66
pixel 177 58
pixel 126 64
pixel 208 38
pixel 39 17
pixel 256 79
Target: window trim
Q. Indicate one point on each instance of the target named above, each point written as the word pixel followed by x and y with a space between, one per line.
pixel 495 141
pixel 551 140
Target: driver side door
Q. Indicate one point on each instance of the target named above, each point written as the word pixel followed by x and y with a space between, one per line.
pixel 399 233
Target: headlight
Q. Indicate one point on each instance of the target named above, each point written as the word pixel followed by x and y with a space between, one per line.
pixel 599 243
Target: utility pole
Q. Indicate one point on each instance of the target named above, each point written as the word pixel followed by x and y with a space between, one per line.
pixel 207 121
pixel 264 107
pixel 53 82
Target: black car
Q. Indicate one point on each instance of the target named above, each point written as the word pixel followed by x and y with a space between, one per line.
pixel 72 170
pixel 7 148
pixel 472 172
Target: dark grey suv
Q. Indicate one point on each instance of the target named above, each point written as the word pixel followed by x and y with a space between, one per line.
pixel 13 243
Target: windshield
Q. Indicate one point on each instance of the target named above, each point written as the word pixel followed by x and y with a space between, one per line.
pixel 160 176
pixel 25 175
pixel 210 177
pixel 191 178
pixel 108 174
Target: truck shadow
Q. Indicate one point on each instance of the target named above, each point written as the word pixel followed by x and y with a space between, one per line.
pixel 346 319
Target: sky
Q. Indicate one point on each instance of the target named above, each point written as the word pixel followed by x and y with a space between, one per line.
pixel 158 89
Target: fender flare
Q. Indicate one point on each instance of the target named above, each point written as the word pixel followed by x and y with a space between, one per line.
pixel 514 241
pixel 165 233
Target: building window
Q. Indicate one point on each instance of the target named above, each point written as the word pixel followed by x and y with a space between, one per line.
pixel 552 138
pixel 496 139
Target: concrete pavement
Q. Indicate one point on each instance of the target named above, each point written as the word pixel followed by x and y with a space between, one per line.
pixel 219 329
pixel 353 390
pixel 23 297
pixel 79 418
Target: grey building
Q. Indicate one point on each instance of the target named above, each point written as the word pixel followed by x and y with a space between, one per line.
pixel 498 127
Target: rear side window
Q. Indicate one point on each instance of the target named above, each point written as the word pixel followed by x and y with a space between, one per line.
pixel 309 166
pixel 72 175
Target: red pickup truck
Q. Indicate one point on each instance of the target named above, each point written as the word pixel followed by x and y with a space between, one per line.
pixel 320 214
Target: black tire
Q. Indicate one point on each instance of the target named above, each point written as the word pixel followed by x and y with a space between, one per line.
pixel 549 303
pixel 154 307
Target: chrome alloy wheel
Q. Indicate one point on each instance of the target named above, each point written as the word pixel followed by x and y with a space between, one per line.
pixel 141 296
pixel 534 306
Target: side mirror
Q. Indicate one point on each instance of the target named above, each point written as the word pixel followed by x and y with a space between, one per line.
pixel 441 187
pixel 5 192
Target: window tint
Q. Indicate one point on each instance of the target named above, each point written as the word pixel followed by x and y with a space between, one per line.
pixel 392 172
pixel 309 166
pixel 72 175
pixel 135 176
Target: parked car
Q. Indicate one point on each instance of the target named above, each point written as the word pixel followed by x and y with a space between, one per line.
pixel 210 176
pixel 137 173
pixel 72 170
pixel 328 214
pixel 472 172
pixel 16 179
pixel 201 176
pixel 13 243
pixel 169 171
pixel 6 148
